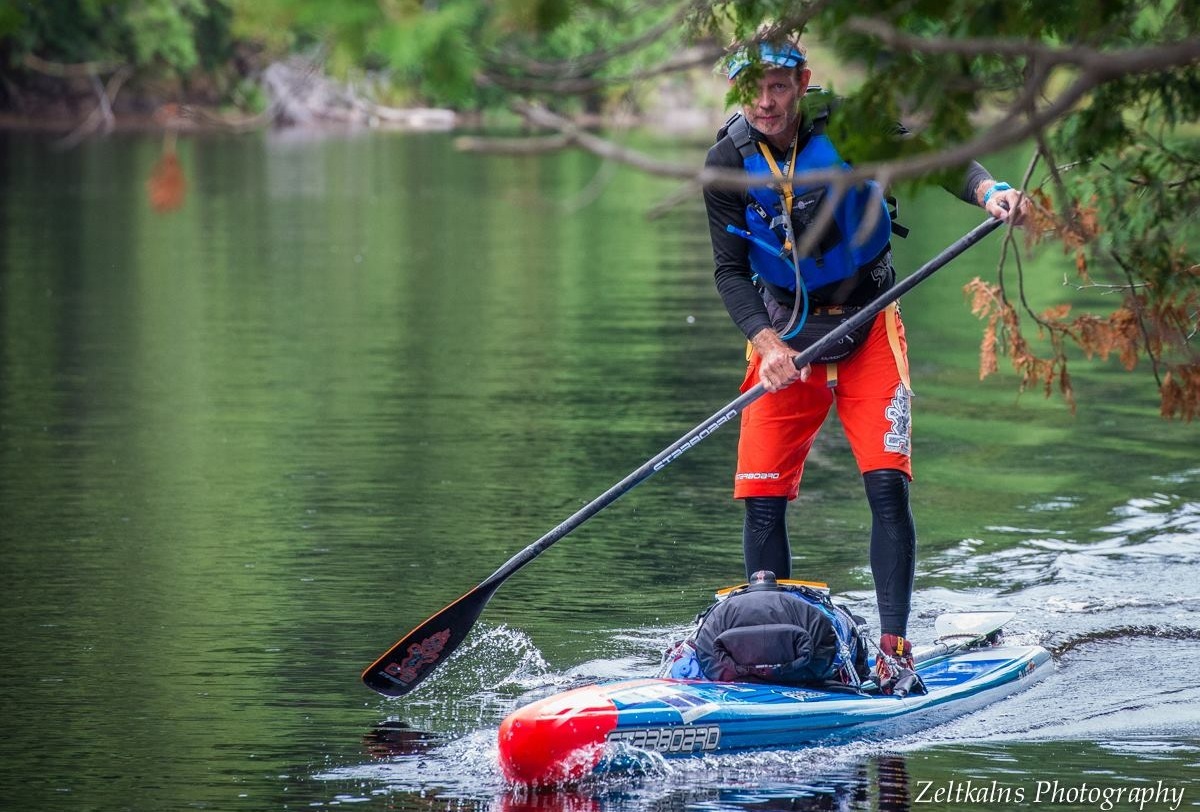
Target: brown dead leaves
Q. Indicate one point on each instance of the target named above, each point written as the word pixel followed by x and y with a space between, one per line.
pixel 1155 314
pixel 1181 392
pixel 1002 332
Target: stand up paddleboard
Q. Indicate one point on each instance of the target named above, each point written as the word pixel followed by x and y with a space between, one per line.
pixel 612 727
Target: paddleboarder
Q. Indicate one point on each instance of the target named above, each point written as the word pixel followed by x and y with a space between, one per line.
pixel 784 300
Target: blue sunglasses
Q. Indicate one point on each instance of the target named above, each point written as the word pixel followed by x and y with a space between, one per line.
pixel 787 56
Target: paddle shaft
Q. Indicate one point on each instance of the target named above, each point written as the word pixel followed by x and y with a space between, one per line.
pixel 415 655
pixel 735 407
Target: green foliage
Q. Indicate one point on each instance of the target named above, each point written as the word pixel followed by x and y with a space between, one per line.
pixel 431 50
pixel 12 18
pixel 534 15
pixel 157 36
pixel 163 31
pixel 345 28
pixel 435 53
pixel 591 42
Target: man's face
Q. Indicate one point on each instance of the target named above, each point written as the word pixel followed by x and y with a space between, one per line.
pixel 773 110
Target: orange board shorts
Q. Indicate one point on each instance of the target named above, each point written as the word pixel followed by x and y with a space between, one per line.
pixel 874 400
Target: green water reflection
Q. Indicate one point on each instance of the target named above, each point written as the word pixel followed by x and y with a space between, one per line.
pixel 246 445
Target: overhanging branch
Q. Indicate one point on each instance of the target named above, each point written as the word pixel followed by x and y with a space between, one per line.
pixel 1024 121
pixel 1106 63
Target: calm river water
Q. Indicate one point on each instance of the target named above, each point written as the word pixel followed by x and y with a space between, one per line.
pixel 245 446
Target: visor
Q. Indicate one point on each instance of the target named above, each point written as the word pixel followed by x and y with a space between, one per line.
pixel 775 56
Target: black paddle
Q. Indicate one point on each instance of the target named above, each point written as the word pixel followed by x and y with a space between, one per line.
pixel 420 651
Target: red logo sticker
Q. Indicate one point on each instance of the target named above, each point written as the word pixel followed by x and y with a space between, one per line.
pixel 419 655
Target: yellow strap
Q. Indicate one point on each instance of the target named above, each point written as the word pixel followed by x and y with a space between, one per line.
pixel 819 586
pixel 892 318
pixel 785 187
pixel 831 375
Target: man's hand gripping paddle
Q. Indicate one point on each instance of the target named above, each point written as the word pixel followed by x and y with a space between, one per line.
pixel 418 653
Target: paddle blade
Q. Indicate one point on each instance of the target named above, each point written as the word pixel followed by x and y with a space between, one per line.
pixel 972 625
pixel 415 655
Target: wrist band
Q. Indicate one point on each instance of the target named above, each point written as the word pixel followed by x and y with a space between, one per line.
pixel 999 187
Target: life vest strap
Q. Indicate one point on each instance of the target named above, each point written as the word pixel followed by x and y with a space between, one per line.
pixel 787 192
pixel 892 318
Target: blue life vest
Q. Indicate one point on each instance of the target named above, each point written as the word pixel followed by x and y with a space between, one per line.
pixel 838 255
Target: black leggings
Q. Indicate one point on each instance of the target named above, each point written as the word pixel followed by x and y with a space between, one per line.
pixel 765 544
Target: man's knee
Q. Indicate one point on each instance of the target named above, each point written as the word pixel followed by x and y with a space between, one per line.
pixel 887 493
pixel 765 512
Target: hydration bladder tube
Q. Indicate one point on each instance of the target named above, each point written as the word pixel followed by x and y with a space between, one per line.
pixel 794 325
pixel 792 333
pixel 746 235
pixel 801 288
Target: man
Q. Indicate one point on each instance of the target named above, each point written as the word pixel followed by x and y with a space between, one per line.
pixel 756 271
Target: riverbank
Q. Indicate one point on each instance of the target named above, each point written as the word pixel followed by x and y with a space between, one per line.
pixel 294 93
